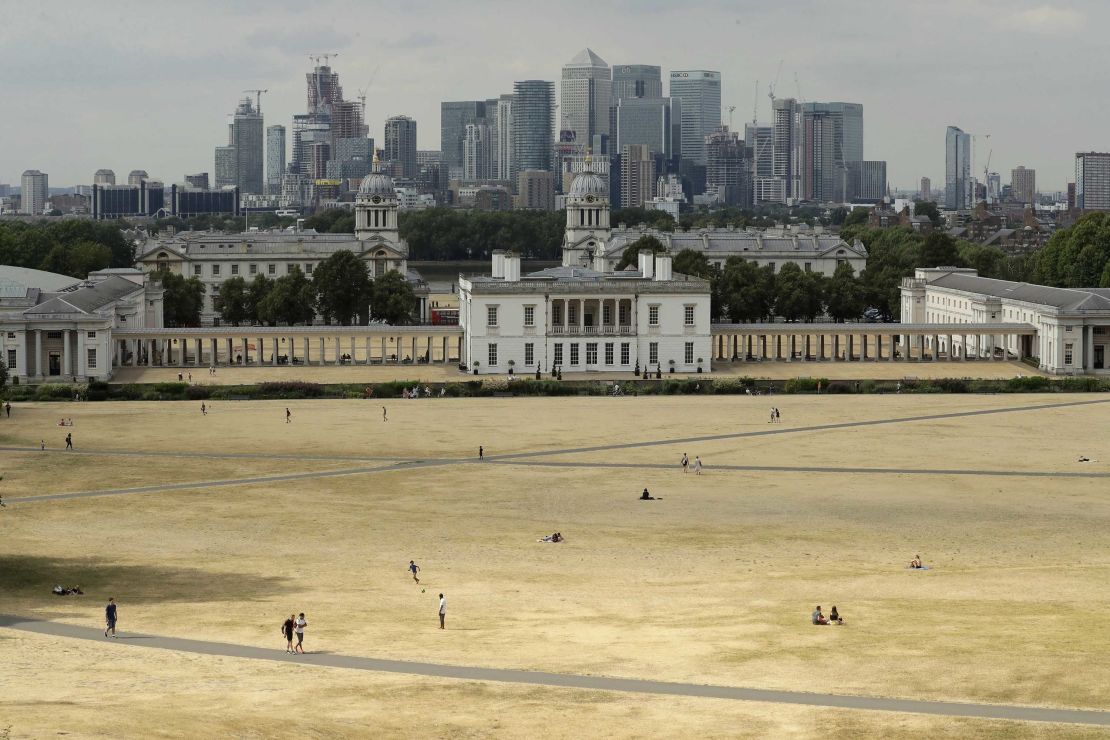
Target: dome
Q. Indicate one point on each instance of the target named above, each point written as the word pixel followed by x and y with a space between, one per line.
pixel 588 183
pixel 377 183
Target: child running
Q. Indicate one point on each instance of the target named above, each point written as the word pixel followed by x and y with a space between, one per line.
pixel 414 569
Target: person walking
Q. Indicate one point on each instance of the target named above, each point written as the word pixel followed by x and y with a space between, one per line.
pixel 442 612
pixel 298 627
pixel 288 415
pixel 110 616
pixel 8 409
pixel 481 452
pixel 69 441
pixel 287 630
pixel 778 416
pixel 203 409
pixel 385 416
pixel 685 462
pixel 697 465
pixel 414 569
pixel 42 445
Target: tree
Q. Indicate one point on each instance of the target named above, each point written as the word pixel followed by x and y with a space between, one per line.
pixel 940 250
pixel 856 217
pixel 844 294
pixel 183 299
pixel 290 301
pixel 232 301
pixel 1075 257
pixel 690 262
pixel 630 257
pixel 649 217
pixel 257 292
pixel 343 288
pixel 986 260
pixel 393 300
pixel 798 295
pixel 3 374
pixel 747 291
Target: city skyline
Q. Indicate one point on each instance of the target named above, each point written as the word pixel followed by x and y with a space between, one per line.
pixel 197 62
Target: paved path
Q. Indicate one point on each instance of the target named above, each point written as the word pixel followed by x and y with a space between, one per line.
pixel 572 681
pixel 209 455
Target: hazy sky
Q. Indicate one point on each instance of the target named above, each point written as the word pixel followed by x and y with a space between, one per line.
pixel 148 85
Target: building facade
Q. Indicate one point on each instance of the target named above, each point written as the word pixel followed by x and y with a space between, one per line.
pixel 1023 185
pixel 533 125
pixel 585 95
pixel 34 190
pixel 400 144
pixel 728 172
pixel 1092 181
pixel 637 175
pixel 699 93
pixel 275 158
pixel 1071 326
pixel 958 191
pixel 636 81
pixel 926 189
pixel 536 190
pixel 54 328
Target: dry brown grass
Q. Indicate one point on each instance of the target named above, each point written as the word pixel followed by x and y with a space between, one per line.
pixel 711 584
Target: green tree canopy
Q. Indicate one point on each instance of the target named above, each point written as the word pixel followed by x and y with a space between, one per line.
pixel 857 216
pixel 231 301
pixel 649 217
pixel 690 262
pixel 393 300
pixel 183 299
pixel 747 291
pixel 630 257
pixel 69 247
pixel 290 301
pixel 1076 257
pixel 844 294
pixel 452 234
pixel 927 208
pixel 257 292
pixel 799 295
pixel 332 221
pixel 343 288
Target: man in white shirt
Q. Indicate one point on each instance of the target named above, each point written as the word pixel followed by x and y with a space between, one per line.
pixel 442 611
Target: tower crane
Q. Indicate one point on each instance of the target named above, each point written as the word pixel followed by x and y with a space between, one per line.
pixel 773 85
pixel 755 105
pixel 362 92
pixel 258 99
pixel 731 109
pixel 325 55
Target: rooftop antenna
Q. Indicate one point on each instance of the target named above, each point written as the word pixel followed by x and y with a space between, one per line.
pixel 755 105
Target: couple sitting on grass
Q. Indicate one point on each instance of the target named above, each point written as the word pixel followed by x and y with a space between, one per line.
pixel 833 618
pixel 557 537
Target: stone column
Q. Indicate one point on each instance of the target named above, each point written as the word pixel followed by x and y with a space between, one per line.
pixel 67 364
pixel 323 356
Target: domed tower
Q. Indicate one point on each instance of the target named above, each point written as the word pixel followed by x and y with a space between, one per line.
pixel 588 230
pixel 376 226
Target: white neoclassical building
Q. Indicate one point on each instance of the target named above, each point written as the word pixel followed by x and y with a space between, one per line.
pixel 55 328
pixel 1071 327
pixel 215 257
pixel 583 316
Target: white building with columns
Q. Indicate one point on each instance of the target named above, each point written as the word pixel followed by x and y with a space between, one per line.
pixel 55 328
pixel 214 257
pixel 1071 326
pixel 583 316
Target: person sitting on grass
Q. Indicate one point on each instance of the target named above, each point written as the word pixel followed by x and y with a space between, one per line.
pixel 645 496
pixel 916 562
pixel 834 616
pixel 818 617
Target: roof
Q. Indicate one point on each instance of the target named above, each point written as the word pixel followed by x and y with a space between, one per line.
pixel 251 243
pixel 16 281
pixel 588 183
pixel 1065 299
pixel 588 56
pixel 734 241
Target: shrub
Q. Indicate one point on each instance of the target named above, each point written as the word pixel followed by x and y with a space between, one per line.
pixel 198 392
pixel 804 385
pixel 952 385
pixel 290 389
pixel 1029 384
pixel 54 392
pixel 171 389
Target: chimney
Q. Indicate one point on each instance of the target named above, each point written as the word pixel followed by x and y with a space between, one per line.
pixel 498 263
pixel 647 263
pixel 662 267
pixel 511 268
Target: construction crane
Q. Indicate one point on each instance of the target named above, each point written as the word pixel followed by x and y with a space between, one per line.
pixel 731 109
pixel 362 92
pixel 326 56
pixel 755 105
pixel 773 85
pixel 258 99
pixel 798 87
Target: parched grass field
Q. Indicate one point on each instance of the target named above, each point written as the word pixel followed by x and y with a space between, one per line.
pixel 711 584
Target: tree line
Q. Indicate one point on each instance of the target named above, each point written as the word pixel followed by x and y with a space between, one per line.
pixel 341 291
pixel 73 247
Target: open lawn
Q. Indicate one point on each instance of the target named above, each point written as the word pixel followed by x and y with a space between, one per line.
pixel 711 584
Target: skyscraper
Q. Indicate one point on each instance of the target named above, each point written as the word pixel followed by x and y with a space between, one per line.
pixel 477 153
pixel 871 186
pixel 136 177
pixel 400 144
pixel 34 192
pixel 533 125
pixel 636 81
pixel 584 101
pixel 818 160
pixel 727 170
pixel 453 119
pixel 1092 181
pixel 1023 184
pixel 104 177
pixel 225 166
pixel 275 158
pixel 760 141
pixel 699 92
pixel 957 169
pixel 926 189
pixel 247 138
pixel 503 160
pixel 645 121
pixel 637 175
pixel 785 141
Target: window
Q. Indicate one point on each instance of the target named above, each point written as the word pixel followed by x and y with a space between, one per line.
pixel 253 269
pixel 11 359
pixel 271 269
pixel 289 267
pixel 92 358
pixel 1068 328
pixel 689 353
pixel 529 315
pixel 772 264
pixel 608 353
pixel 688 315
pixel 91 335
pixel 215 270
pixel 622 313
pixel 572 313
pixel 809 267
pixel 307 268
pixel 653 353
pixel 606 314
pixel 11 335
pixel 529 353
pixel 235 269
pixel 492 355
pixel 591 353
pixel 624 353
pixel 53 335
pixel 1067 354
pixel 556 314
pixel 491 315
pixel 653 315
pixel 558 353
pixel 196 270
pixel 574 354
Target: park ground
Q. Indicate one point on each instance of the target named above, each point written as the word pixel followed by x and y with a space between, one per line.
pixel 712 583
pixel 438 373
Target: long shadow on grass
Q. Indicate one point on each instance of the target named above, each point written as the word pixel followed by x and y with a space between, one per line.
pixel 32 577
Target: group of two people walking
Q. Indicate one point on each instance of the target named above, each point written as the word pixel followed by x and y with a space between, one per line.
pixel 294 626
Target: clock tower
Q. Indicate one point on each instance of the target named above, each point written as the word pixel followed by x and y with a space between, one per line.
pixel 588 231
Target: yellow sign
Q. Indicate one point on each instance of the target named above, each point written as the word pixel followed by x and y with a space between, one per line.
pixel 335 183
